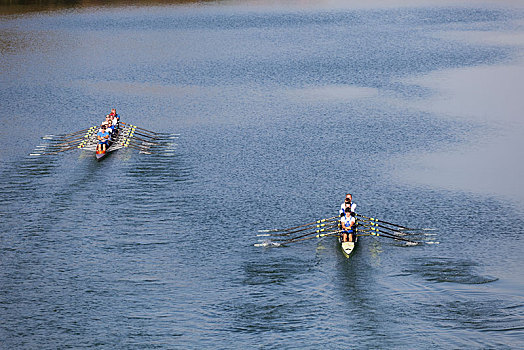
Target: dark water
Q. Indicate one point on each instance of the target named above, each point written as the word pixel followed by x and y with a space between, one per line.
pixel 280 111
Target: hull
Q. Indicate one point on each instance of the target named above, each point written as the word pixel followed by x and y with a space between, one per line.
pixel 348 248
pixel 101 154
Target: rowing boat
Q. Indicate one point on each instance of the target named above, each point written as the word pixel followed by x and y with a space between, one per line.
pixel 102 153
pixel 126 136
pixel 348 248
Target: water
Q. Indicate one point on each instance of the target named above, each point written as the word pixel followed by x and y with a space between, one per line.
pixel 280 111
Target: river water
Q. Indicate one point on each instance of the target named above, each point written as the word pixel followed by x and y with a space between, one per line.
pixel 415 108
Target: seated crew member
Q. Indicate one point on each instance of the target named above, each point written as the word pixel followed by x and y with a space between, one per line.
pixel 100 129
pixel 108 130
pixel 103 138
pixel 347 204
pixel 114 114
pixel 347 221
pixel 109 123
pixel 114 121
pixel 115 118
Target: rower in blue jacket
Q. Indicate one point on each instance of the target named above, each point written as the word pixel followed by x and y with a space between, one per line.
pixel 103 138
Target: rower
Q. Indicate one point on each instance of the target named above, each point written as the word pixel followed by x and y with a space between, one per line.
pixel 114 121
pixel 347 221
pixel 347 204
pixel 109 123
pixel 114 115
pixel 103 138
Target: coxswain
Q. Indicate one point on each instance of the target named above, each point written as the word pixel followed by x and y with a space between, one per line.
pixel 348 203
pixel 347 221
pixel 103 138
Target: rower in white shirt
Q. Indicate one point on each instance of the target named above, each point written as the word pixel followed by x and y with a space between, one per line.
pixel 348 203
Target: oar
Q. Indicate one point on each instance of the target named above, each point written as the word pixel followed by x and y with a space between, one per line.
pixel 295 227
pixel 81 131
pixel 403 232
pixel 89 132
pixel 388 230
pixel 133 146
pixel 143 140
pixel 364 234
pixel 70 134
pixel 54 152
pixel 396 225
pixel 309 233
pixel 277 244
pixel 143 134
pixel 373 224
pixel 62 145
pixel 134 130
pixel 378 233
pixel 77 140
pixel 56 148
pixel 143 144
pixel 300 239
pixel 287 233
pixel 131 132
pixel 149 131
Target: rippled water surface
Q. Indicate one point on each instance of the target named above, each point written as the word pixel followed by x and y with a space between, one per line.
pixel 280 111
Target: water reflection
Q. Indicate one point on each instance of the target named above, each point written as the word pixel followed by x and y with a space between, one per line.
pixel 489 98
pixel 10 7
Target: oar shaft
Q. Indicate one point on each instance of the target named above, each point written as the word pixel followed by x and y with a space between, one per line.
pixel 77 140
pixel 312 233
pixel 310 224
pixel 299 226
pixel 131 133
pixel 373 224
pixel 377 232
pixel 145 150
pixel 77 132
pixel 134 126
pixel 55 152
pixel 385 222
pixel 143 140
pixel 90 131
pixel 303 229
pixel 137 132
pixel 131 140
pixel 300 239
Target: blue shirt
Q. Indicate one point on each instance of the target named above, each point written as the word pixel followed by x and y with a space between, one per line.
pixel 103 136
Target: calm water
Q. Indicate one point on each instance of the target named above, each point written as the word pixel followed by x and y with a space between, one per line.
pixel 280 111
